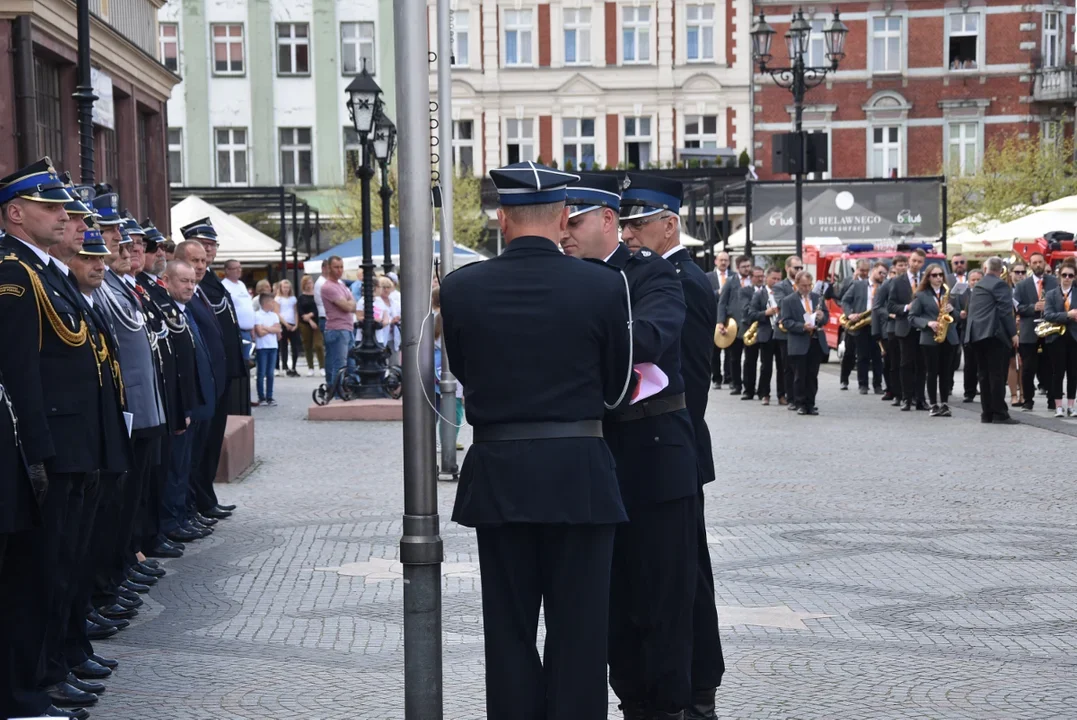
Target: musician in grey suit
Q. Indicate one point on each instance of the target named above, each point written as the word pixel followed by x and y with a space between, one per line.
pixel 882 329
pixel 1030 295
pixel 764 310
pixel 851 358
pixel 720 359
pixel 931 302
pixel 786 287
pixel 859 300
pixel 807 341
pixel 1061 309
pixel 751 352
pixel 991 333
pixel 732 302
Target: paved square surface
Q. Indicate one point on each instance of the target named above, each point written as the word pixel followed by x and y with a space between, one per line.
pixel 869 564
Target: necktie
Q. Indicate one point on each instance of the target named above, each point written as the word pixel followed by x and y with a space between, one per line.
pixel 1039 288
pixel 807 304
pixel 193 325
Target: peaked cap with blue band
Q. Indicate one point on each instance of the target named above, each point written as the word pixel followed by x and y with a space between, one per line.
pixel 529 183
pixel 152 236
pixel 93 243
pixel 38 182
pixel 107 206
pixel 643 195
pixel 593 191
pixel 131 225
pixel 80 205
pixel 200 230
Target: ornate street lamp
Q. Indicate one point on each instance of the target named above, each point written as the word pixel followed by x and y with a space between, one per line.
pixel 798 78
pixel 364 104
pixel 384 147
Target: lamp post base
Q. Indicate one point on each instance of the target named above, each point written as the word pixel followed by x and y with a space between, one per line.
pixel 371 373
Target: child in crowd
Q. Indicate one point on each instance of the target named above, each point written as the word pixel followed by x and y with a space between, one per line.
pixel 267 330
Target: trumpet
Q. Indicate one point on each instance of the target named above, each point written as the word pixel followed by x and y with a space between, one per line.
pixel 751 335
pixel 1047 329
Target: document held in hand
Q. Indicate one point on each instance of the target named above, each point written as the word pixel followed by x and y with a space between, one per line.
pixel 651 381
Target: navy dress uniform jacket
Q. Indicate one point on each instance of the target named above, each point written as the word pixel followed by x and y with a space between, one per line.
pixel 208 349
pixel 235 360
pixel 115 442
pixel 697 339
pixel 18 507
pixel 656 456
pixel 537 336
pixel 175 351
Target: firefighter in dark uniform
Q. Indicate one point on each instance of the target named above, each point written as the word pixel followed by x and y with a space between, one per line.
pixel 650 220
pixel 51 362
pixel 541 344
pixel 653 578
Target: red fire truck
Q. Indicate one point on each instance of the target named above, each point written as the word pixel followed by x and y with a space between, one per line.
pixel 838 264
pixel 1056 246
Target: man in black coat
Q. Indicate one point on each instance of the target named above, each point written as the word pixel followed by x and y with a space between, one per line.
pixel 971 373
pixel 991 334
pixel 650 219
pixel 539 483
pixel 913 370
pixel 653 578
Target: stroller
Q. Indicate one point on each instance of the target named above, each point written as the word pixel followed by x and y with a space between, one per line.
pixel 346 384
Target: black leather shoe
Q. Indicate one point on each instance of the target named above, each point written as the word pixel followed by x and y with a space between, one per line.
pixel 77 713
pixel 151 563
pixel 164 551
pixel 898 402
pixel 64 695
pixel 658 715
pixel 702 707
pixel 803 411
pixel 906 407
pixel 116 612
pixel 226 508
pixel 205 521
pixel 90 669
pixel 200 530
pixel 122 592
pixel 85 686
pixel 863 391
pixel 747 397
pixel 922 406
pixel 135 587
pixel 887 397
pixel 633 711
pixel 791 407
pixel 1006 421
pixel 156 572
pixel 107 662
pixel 735 391
pixel 98 619
pixel 879 391
pixel 217 513
pixel 136 576
pixel 968 399
pixel 845 386
pixel 814 411
pixel 182 534
pixel 173 544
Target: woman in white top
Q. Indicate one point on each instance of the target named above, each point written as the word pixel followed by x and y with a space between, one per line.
pixel 289 323
pixel 388 314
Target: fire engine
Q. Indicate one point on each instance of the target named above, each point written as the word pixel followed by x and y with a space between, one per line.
pixel 837 264
pixel 1056 246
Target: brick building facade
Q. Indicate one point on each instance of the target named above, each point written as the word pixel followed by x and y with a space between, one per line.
pixel 925 85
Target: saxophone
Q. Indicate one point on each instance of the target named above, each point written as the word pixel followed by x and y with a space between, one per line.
pixel 1047 329
pixel 751 335
pixel 944 319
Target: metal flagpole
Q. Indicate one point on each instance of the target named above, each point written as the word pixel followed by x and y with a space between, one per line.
pixel 447 423
pixel 421 550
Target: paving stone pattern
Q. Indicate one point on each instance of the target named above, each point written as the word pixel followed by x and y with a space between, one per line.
pixel 898 566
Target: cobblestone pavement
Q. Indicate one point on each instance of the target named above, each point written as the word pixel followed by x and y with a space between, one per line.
pixel 869 564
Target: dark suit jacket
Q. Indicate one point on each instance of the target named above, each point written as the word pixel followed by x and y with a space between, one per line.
pixel 991 312
pixel 1026 296
pixel 732 303
pixel 235 360
pixel 881 324
pixel 716 284
pixel 792 315
pixel 1055 311
pixel 536 336
pixel 781 291
pixel 901 294
pixel 855 300
pixel 757 312
pixel 211 373
pixel 925 309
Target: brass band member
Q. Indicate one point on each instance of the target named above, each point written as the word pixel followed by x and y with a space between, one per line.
pixel 751 352
pixel 1029 294
pixel 1060 309
pixel 971 372
pixel 764 309
pixel 898 269
pixel 804 315
pixel 908 346
pixel 930 307
pixel 856 303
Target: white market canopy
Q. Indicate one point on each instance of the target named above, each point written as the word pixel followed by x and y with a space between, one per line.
pixel 236 240
pixel 1029 227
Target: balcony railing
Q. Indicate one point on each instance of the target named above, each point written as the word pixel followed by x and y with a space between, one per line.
pixel 134 19
pixel 1055 85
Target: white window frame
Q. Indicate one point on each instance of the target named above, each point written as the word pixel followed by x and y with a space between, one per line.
pixel 701 135
pixel 1058 33
pixel 969 132
pixel 637 137
pixel 461 35
pixel 1051 134
pixel 513 21
pixel 640 29
pixel 296 148
pixel 816 44
pixel 899 145
pixel 177 148
pixel 578 139
pixel 163 40
pixel 351 145
pixel 232 148
pixel 963 32
pixel 519 138
pixel 228 41
pixel 293 42
pixel 459 144
pixel 357 43
pixel 703 27
pixel 581 28
pixel 887 34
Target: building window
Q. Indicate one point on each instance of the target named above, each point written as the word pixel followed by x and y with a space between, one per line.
pixel 352 151
pixel 963 151
pixel 231 156
pixel 577 36
pixel 143 158
pixel 227 49
pixel 816 45
pixel 463 146
pixel 518 37
pixel 460 19
pixel 1053 35
pixel 578 143
pixel 701 131
pixel 168 45
pixel 293 49
pixel 50 133
pixel 636 34
pixel 699 27
pixel 964 40
pixel 637 142
pixel 885 151
pixel 296 157
pixel 356 47
pixel 519 140
pixel 175 156
pixel 1050 135
pixel 106 151
pixel 886 45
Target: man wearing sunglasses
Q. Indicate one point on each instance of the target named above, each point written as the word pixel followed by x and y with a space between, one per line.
pixel 1030 295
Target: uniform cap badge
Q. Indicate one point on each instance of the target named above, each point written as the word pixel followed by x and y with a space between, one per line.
pixel 626 183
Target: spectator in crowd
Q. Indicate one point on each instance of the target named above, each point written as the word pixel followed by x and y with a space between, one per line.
pixel 322 279
pixel 387 314
pixel 289 340
pixel 1016 274
pixel 233 271
pixel 267 332
pixel 309 332
pixel 262 287
pixel 339 319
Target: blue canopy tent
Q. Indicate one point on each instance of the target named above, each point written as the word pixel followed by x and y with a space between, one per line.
pixel 352 252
